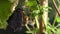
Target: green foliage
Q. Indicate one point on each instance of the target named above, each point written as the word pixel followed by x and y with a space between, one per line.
pixel 35 31
pixel 58 31
pixel 36 11
pixel 4 12
pixel 31 4
pixel 39 11
pixel 11 1
pixel 58 19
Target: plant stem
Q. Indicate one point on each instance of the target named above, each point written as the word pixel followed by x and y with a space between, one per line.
pixel 37 23
pixel 55 19
pixel 44 17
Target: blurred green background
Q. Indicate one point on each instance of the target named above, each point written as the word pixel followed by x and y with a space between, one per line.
pixel 4 12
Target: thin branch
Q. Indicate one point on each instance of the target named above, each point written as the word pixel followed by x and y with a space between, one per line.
pixel 57 9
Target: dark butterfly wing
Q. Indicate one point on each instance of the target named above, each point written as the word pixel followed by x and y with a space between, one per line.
pixel 15 21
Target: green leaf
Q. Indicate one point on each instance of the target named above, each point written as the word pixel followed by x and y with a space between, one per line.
pixel 29 32
pixel 58 19
pixel 49 32
pixel 4 12
pixel 11 1
pixel 58 31
pixel 34 13
pixel 30 3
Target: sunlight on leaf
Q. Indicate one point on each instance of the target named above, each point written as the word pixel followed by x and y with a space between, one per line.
pixel 30 3
pixel 58 31
pixel 58 19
